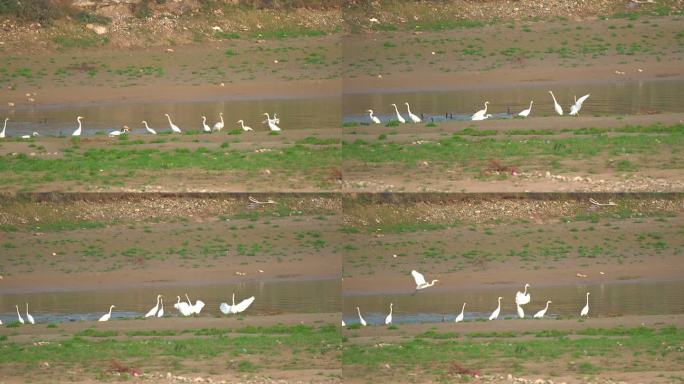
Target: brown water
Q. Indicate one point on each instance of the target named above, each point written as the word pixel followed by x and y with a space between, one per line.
pixel 617 98
pixel 320 113
pixel 316 296
pixel 616 299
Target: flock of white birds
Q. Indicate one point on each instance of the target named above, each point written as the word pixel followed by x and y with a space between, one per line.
pixel 272 125
pixel 482 114
pixel 183 307
pixel 521 298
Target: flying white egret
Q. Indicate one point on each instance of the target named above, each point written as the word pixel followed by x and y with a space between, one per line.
pixel 147 127
pixel 575 108
pixel 526 112
pixel 521 313
pixel 173 126
pixel 77 132
pixel 420 280
pixel 541 313
pixel 363 322
pixel 28 316
pixel 106 316
pixel 556 106
pixel 388 319
pixel 585 310
pixel 236 308
pixel 522 298
pixel 21 319
pixel 183 307
pixel 399 117
pixel 272 124
pixel 219 125
pixel 244 127
pixel 123 131
pixel 459 318
pixel 204 125
pixel 374 119
pixel 197 307
pixel 154 310
pixel 2 134
pixel 495 314
pixel 413 117
pixel 481 114
pixel 161 310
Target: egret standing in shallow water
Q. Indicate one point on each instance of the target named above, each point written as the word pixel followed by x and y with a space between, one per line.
pixel 374 119
pixel 585 310
pixel 206 128
pixel 106 316
pixel 521 313
pixel 420 280
pixel 481 114
pixel 197 307
pixel 77 132
pixel 244 127
pixel 183 307
pixel 154 310
pixel 173 126
pixel 21 320
pixel 556 106
pixel 147 127
pixel 161 310
pixel 2 133
pixel 522 298
pixel 219 125
pixel 236 308
pixel 399 117
pixel 526 112
pixel 272 124
pixel 575 108
pixel 388 319
pixel 459 318
pixel 541 313
pixel 361 320
pixel 28 316
pixel 413 117
pixel 495 314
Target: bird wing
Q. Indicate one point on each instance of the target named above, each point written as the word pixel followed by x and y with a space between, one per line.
pixel 225 308
pixel 199 304
pixel 418 277
pixel 581 100
pixel 244 304
pixel 152 311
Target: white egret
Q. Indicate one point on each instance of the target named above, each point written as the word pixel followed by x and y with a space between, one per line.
pixel 204 125
pixel 183 307
pixel 541 313
pixel 575 108
pixel 276 119
pixel 480 118
pixel 495 314
pixel 374 119
pixel 399 117
pixel 244 127
pixel 459 318
pixel 34 134
pixel 585 310
pixel 21 319
pixel 173 126
pixel 413 117
pixel 521 313
pixel 481 114
pixel 28 316
pixel 272 124
pixel 154 309
pixel 2 134
pixel 236 308
pixel 219 125
pixel 522 298
pixel 343 323
pixel 388 319
pixel 526 112
pixel 147 127
pixel 363 322
pixel 197 307
pixel 106 316
pixel 161 310
pixel 556 106
pixel 0 322
pixel 420 280
pixel 77 132
pixel 123 131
